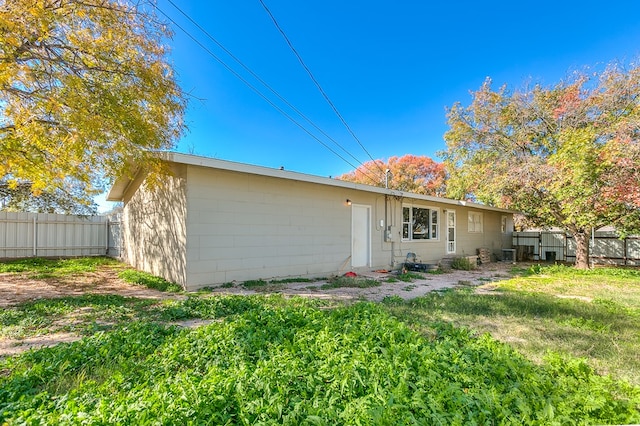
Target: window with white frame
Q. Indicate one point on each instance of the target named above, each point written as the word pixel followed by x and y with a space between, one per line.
pixel 419 223
pixel 475 222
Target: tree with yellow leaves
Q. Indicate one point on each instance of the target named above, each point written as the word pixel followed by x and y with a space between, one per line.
pixel 85 92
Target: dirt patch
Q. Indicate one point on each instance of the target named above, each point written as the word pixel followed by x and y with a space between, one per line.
pixel 10 347
pixel 19 288
pixel 406 290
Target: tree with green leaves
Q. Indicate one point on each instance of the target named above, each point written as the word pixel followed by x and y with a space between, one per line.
pixel 566 156
pixel 85 92
pixel 68 200
pixel 411 173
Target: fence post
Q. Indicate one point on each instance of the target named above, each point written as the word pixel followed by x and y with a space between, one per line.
pixel 106 237
pixel 540 246
pixel 35 236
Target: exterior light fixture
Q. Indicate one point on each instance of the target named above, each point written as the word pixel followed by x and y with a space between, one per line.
pixel 348 202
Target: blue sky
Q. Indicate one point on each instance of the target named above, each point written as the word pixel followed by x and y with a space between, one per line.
pixel 390 68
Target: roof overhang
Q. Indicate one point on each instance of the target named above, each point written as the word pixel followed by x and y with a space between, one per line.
pixel 120 186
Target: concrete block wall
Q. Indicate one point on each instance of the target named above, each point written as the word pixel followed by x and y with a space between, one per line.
pixel 242 226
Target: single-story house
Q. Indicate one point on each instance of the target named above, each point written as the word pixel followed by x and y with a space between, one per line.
pixel 212 221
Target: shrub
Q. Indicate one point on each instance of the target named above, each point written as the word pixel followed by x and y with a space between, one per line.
pixel 462 263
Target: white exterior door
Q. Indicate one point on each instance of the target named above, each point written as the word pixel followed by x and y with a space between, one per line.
pixel 360 236
pixel 451 232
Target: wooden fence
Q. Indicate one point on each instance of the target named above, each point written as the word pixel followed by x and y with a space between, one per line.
pixel 605 247
pixel 55 235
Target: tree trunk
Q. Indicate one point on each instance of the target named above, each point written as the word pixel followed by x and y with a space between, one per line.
pixel 582 250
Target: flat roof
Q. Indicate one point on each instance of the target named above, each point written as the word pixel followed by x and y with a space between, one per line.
pixel 119 188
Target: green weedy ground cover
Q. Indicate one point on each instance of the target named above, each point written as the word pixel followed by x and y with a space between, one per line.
pixel 80 314
pixel 269 360
pixel 150 281
pixel 592 315
pixel 90 313
pixel 353 282
pixel 39 268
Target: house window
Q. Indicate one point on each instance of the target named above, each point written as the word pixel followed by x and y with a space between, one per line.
pixel 503 225
pixel 419 223
pixel 475 222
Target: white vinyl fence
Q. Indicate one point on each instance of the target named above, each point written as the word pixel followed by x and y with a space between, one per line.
pixel 55 235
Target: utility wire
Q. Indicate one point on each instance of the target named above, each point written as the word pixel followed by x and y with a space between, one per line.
pixel 232 71
pixel 315 81
pixel 265 84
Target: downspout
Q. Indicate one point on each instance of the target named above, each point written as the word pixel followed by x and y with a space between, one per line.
pixel 387 228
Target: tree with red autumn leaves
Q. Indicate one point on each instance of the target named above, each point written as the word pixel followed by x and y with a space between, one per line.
pixel 409 173
pixel 566 156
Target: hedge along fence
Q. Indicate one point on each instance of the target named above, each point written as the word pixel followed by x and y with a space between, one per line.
pixel 56 235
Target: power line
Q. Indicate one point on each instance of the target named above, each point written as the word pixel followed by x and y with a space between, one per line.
pixel 264 83
pixel 231 70
pixel 267 86
pixel 315 81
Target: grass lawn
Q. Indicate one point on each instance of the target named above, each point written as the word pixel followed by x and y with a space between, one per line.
pixel 39 268
pixel 561 350
pixel 548 312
